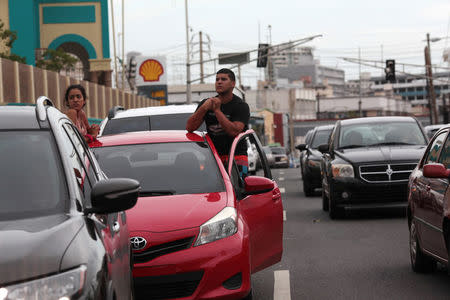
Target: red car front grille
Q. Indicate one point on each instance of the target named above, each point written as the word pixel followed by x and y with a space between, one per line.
pixel 162 249
pixel 168 286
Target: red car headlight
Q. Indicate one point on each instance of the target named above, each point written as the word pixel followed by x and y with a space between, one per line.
pixel 220 226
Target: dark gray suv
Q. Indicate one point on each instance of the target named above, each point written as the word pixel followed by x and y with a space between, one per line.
pixel 312 157
pixel 63 230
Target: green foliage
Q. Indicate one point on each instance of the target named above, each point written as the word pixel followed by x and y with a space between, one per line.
pixel 56 60
pixel 7 38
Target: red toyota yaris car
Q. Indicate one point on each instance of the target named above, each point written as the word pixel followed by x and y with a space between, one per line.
pixel 198 230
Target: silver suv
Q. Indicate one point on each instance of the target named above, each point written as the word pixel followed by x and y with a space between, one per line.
pixel 170 117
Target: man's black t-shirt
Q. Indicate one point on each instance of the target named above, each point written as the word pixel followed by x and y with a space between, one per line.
pixel 235 110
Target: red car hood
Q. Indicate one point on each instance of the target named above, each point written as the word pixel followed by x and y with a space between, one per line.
pixel 175 212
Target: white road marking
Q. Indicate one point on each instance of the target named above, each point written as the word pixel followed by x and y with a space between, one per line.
pixel 281 172
pixel 282 190
pixel 284 215
pixel 281 178
pixel 282 287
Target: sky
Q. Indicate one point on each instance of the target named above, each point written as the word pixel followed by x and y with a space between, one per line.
pixel 380 30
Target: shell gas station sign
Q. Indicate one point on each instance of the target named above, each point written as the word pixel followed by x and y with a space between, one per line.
pixel 150 71
pixel 151 77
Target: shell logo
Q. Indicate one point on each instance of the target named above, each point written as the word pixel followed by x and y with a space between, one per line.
pixel 151 70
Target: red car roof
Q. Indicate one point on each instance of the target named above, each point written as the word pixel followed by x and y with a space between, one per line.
pixel 146 137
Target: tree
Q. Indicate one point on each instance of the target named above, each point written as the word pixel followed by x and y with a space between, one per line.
pixel 7 38
pixel 56 60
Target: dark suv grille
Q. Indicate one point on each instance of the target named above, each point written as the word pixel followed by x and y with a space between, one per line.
pixel 162 249
pixel 168 286
pixel 386 172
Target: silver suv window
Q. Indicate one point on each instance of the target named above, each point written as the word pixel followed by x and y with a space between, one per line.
pixel 145 123
pixel 32 180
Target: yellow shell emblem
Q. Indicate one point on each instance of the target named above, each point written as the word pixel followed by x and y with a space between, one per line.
pixel 151 70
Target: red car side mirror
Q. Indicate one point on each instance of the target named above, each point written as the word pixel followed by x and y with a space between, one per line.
pixel 435 171
pixel 258 185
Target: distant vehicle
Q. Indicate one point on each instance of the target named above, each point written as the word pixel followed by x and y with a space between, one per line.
pixel 312 158
pixel 170 117
pixel 253 158
pixel 432 129
pixel 367 163
pixel 428 202
pixel 280 156
pixel 64 233
pixel 199 229
pixel 308 138
pixel 270 157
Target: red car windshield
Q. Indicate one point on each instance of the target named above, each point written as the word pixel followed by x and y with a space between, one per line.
pixel 164 168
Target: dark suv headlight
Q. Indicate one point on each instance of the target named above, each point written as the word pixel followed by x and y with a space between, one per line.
pixel 342 170
pixel 314 162
pixel 59 286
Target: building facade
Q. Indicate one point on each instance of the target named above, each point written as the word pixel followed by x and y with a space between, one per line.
pixel 298 64
pixel 368 106
pixel 278 100
pixel 411 88
pixel 78 27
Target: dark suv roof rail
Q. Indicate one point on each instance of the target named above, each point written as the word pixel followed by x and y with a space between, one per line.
pixel 41 107
pixel 113 111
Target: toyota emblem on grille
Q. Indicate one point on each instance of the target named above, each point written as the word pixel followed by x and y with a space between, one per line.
pixel 138 243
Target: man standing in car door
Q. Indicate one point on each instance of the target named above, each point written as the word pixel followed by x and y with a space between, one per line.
pixel 225 115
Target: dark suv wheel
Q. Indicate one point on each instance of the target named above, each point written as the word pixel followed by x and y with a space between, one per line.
pixel 307 189
pixel 324 201
pixel 334 211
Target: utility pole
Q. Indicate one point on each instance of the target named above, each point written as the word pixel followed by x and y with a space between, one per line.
pixel 123 45
pixel 431 95
pixel 382 61
pixel 201 58
pixel 291 118
pixel 240 78
pixel 188 66
pixel 318 104
pixel 114 41
pixel 270 69
pixel 445 111
pixel 360 102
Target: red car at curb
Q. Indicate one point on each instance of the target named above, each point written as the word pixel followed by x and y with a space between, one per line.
pixel 198 230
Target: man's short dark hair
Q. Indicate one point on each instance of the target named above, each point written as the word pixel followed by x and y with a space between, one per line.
pixel 228 72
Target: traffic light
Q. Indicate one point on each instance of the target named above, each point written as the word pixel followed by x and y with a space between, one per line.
pixel 132 69
pixel 263 51
pixel 390 70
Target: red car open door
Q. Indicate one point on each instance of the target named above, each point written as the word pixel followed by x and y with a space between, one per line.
pixel 262 211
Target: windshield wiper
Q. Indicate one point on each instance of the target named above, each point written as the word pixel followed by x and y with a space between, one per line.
pixel 156 193
pixel 352 146
pixel 390 143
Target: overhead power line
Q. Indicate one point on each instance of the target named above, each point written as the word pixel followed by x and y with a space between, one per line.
pixel 280 47
pixel 377 61
pixel 374 64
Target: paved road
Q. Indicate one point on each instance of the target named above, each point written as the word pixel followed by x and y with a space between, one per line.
pixel 364 256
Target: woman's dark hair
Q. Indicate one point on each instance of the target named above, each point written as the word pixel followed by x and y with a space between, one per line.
pixel 75 86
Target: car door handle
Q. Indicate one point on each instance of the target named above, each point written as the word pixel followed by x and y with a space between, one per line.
pixel 116 227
